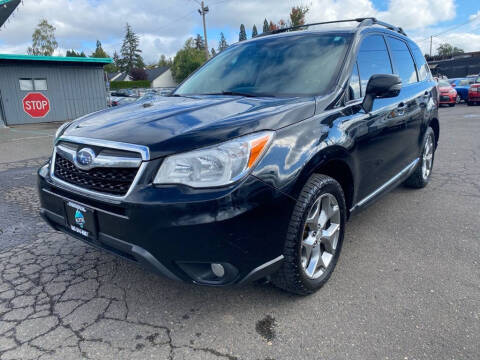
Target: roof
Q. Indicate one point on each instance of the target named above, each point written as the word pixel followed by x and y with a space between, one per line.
pixel 55 59
pixel 112 75
pixel 6 9
pixel 154 73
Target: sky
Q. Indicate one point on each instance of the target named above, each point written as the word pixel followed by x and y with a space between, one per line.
pixel 164 25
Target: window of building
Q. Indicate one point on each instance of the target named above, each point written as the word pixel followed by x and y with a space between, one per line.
pixel 373 59
pixel 402 60
pixel 33 84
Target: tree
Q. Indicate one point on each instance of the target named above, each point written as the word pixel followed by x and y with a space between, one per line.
pixel 213 52
pixel 297 15
pixel 43 40
pixel 222 44
pixel 254 31
pixel 165 61
pixel 138 74
pixel 447 50
pixel 187 60
pixel 266 27
pixel 272 26
pixel 99 52
pixel 131 54
pixel 73 53
pixel 242 34
pixel 199 43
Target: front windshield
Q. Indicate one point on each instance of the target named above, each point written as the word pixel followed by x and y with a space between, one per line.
pixel 443 83
pixel 297 65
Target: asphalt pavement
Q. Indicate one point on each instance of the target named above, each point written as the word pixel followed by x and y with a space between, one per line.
pixel 407 285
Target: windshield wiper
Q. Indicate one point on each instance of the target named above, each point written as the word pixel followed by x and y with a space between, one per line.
pixel 239 93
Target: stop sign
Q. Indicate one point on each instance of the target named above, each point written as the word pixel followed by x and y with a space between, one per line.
pixel 36 104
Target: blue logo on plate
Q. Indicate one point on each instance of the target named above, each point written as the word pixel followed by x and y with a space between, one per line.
pixel 79 218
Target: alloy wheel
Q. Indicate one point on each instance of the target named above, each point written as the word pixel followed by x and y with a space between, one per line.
pixel 427 158
pixel 320 235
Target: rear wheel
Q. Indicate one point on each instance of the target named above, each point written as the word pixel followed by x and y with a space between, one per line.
pixel 469 103
pixel 314 238
pixel 421 176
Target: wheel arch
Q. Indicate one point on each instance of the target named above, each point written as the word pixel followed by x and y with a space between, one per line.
pixel 336 163
pixel 435 125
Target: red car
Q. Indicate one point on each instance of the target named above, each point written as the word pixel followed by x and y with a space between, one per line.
pixel 448 95
pixel 473 94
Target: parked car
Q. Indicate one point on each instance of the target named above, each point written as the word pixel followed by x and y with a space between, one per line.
pixel 123 93
pixel 461 85
pixel 122 100
pixel 474 94
pixel 253 166
pixel 448 95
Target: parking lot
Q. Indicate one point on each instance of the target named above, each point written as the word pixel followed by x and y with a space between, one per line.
pixel 407 285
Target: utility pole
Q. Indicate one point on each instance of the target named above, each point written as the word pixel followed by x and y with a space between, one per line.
pixel 431 37
pixel 202 12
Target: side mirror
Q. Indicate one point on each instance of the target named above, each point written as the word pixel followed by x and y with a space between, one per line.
pixel 381 86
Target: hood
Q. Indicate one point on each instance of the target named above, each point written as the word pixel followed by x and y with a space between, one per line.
pixel 445 88
pixel 176 124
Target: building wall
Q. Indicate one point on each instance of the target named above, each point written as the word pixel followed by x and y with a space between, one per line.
pixel 164 80
pixel 73 90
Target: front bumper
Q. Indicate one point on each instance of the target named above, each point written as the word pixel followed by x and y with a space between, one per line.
pixel 447 99
pixel 179 232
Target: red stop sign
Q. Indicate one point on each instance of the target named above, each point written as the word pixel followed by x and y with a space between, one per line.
pixel 36 104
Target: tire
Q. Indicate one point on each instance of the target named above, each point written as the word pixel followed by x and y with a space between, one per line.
pixel 469 103
pixel 451 105
pixel 419 179
pixel 324 194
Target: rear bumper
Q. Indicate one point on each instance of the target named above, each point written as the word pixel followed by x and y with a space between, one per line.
pixel 474 96
pixel 242 228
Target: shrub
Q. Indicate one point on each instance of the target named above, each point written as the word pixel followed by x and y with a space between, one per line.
pixel 115 85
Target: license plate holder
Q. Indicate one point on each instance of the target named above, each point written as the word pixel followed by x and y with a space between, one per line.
pixel 80 219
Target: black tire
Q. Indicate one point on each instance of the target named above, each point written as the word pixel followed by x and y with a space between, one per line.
pixel 469 103
pixel 417 179
pixel 291 276
pixel 451 105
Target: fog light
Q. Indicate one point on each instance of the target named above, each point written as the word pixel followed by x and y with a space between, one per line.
pixel 218 270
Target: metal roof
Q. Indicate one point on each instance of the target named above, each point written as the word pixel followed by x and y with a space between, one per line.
pixel 55 58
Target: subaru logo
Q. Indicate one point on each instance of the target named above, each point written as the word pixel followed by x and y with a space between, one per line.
pixel 84 158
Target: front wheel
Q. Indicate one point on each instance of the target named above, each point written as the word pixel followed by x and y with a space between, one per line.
pixel 421 175
pixel 451 105
pixel 314 238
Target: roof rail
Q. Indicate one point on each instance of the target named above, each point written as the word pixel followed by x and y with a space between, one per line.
pixel 367 21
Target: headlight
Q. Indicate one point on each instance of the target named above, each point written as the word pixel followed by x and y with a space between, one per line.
pixel 218 165
pixel 60 130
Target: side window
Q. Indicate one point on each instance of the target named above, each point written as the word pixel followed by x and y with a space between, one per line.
pixel 422 67
pixel 373 59
pixel 354 91
pixel 402 60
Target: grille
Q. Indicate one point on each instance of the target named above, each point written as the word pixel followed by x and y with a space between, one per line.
pixel 114 181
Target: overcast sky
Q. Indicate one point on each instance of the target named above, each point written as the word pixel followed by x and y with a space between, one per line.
pixel 164 25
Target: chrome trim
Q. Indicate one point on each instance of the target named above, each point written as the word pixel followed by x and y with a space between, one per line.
pixel 100 160
pixel 143 150
pixel 407 169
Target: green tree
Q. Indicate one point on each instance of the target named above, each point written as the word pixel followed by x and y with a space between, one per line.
pixel 213 52
pixel 222 44
pixel 131 54
pixel 266 26
pixel 199 43
pixel 73 53
pixel 43 40
pixel 447 50
pixel 99 52
pixel 165 61
pixel 297 15
pixel 242 34
pixel 254 31
pixel 187 60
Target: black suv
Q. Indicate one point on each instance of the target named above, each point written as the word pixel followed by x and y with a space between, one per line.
pixel 250 169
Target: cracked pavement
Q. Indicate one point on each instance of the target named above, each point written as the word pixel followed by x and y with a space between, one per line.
pixel 407 285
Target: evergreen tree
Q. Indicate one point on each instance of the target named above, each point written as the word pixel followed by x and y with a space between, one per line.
pixel 73 53
pixel 43 40
pixel 199 43
pixel 213 52
pixel 131 54
pixel 99 52
pixel 254 31
pixel 242 35
pixel 222 44
pixel 266 26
